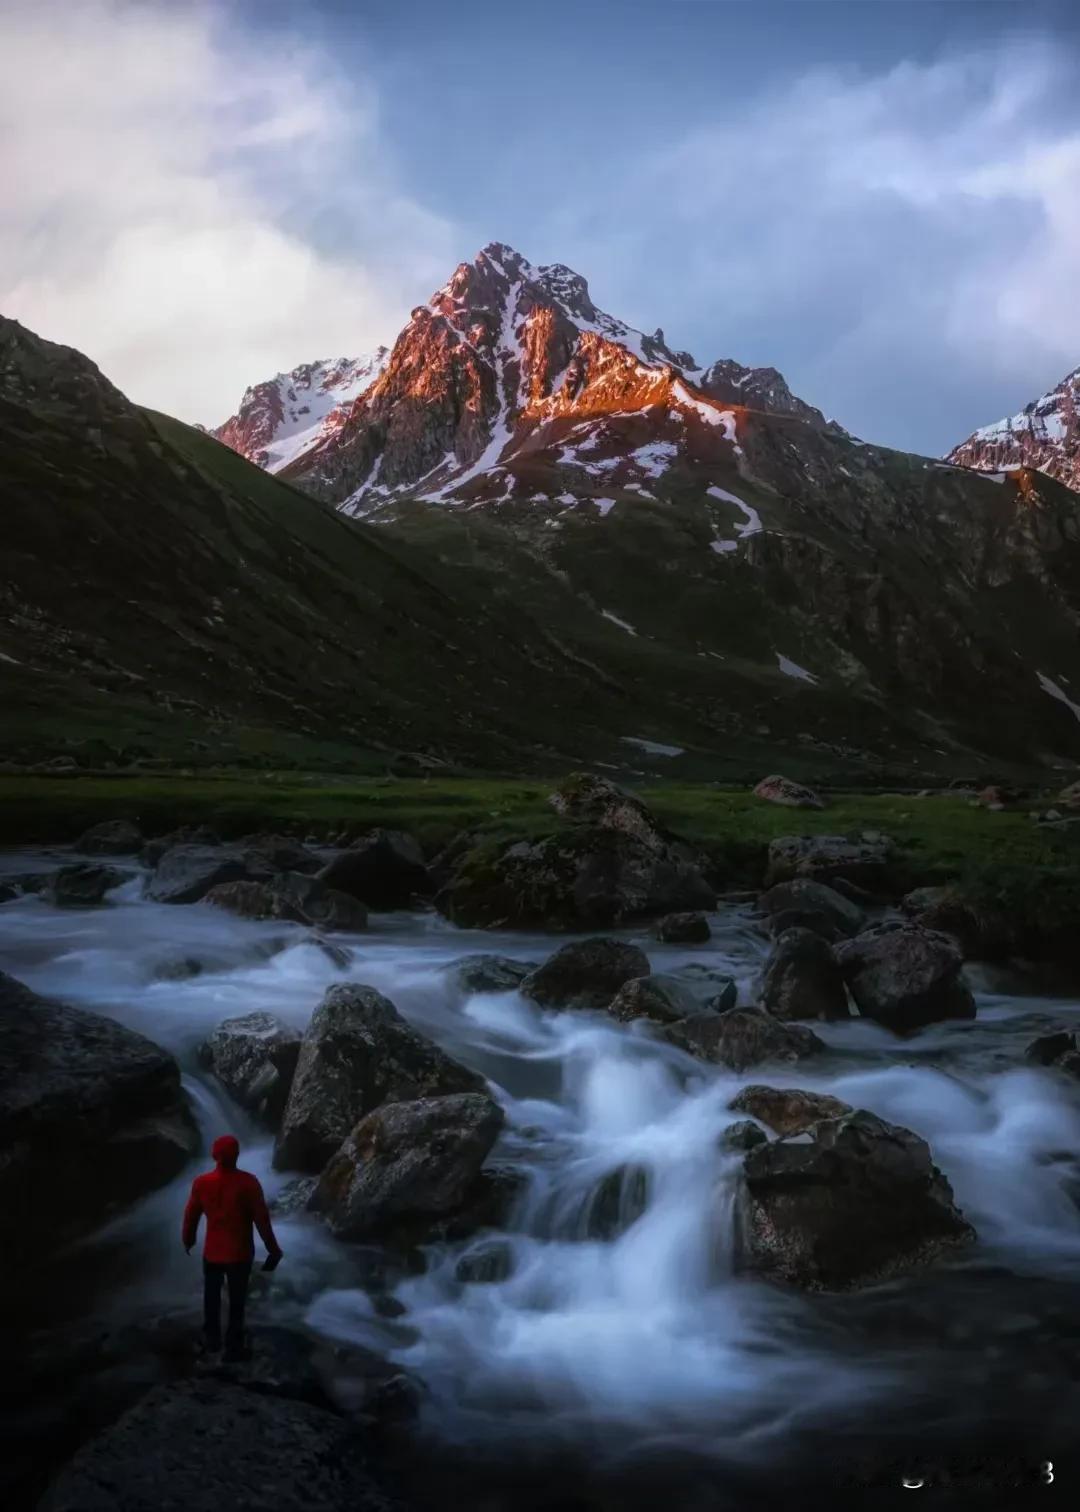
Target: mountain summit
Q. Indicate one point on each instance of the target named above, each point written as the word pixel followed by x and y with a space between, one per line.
pixel 1045 435
pixel 485 371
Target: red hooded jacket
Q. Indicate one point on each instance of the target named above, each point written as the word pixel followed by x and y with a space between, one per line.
pixel 231 1201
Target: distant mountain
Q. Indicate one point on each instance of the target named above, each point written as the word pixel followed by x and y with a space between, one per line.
pixel 280 419
pixel 1045 435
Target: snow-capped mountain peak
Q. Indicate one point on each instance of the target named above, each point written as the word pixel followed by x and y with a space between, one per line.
pixel 286 415
pixel 1044 435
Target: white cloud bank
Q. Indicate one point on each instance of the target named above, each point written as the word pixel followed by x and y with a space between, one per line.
pixel 163 175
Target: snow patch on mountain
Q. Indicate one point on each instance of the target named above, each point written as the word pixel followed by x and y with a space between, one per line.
pixel 1048 685
pixel 792 669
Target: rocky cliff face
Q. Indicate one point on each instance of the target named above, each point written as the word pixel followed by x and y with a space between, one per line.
pixel 287 415
pixel 1044 435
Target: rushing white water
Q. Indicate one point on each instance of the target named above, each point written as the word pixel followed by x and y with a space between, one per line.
pixel 647 1332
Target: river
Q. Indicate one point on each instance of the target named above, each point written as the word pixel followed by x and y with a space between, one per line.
pixel 646 1345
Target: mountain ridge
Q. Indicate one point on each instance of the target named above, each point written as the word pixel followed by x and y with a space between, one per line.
pixel 1045 435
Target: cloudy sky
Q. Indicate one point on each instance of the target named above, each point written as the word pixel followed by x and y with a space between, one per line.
pixel 880 199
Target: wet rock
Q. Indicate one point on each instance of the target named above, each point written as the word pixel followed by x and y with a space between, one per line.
pixel 384 870
pixel 788 1110
pixel 282 853
pixel 598 802
pixel 617 1201
pixel 905 977
pixel 406 1165
pixel 742 1037
pixel 294 1197
pixel 211 1443
pixel 255 900
pixel 490 973
pixel 980 936
pixel 490 1202
pixel 88 1109
pixel 337 955
pixel 254 1058
pixel 683 929
pixel 829 858
pixel 586 877
pixel 585 974
pixel 81 885
pixel 739 1137
pixel 666 999
pixel 178 968
pixel 804 895
pixel 199 834
pixel 358 1052
pixel 790 794
pixel 713 989
pixel 328 907
pixel 802 978
pixel 1060 1050
pixel 490 1261
pixel 114 837
pixel 186 873
pixel 857 1202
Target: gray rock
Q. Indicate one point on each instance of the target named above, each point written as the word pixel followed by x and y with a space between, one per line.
pixel 790 794
pixel 406 1165
pixel 88 1109
pixel 683 929
pixel 384 870
pixel 787 1110
pixel 585 974
pixel 81 885
pixel 905 977
pixel 209 1444
pixel 1060 1050
pixel 177 968
pixel 254 1058
pixel 617 1201
pixel 828 858
pixel 186 873
pixel 583 798
pixel 358 1052
pixel 328 907
pixel 113 837
pixel 858 1202
pixel 802 978
pixel 666 999
pixel 255 900
pixel 489 1261
pixel 804 895
pixel 491 973
pixel 739 1137
pixel 742 1037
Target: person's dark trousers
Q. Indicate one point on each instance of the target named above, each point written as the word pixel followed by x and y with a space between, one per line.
pixel 236 1276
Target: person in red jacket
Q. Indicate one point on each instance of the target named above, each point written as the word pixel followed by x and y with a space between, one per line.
pixel 232 1202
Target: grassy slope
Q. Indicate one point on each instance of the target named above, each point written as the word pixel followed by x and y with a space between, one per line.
pixel 941 836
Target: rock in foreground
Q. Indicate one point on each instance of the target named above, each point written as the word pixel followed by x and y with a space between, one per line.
pixel 254 1058
pixel 812 900
pixel 665 999
pixel 788 1110
pixel 905 977
pixel 861 1201
pixel 585 974
pixel 358 1052
pixel 742 1038
pixel 81 885
pixel 89 1112
pixel 186 873
pixel 208 1446
pixel 256 900
pixel 802 978
pixel 407 1165
pixel 491 973
pixel 384 870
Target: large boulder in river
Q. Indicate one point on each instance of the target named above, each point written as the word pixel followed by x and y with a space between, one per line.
pixel 741 1038
pixel 855 1202
pixel 81 885
pixel 813 901
pixel 406 1166
pixel 788 1110
pixel 683 929
pixel 328 907
pixel 358 1052
pixel 585 974
pixel 586 877
pixel 905 977
pixel 827 858
pixel 597 802
pixel 491 973
pixel 186 873
pixel 256 900
pixel 789 794
pixel 665 999
pixel 981 933
pixel 113 837
pixel 90 1112
pixel 254 1058
pixel 210 1444
pixel 802 978
pixel 385 870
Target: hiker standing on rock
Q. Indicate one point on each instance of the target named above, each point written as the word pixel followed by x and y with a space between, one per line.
pixel 232 1202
